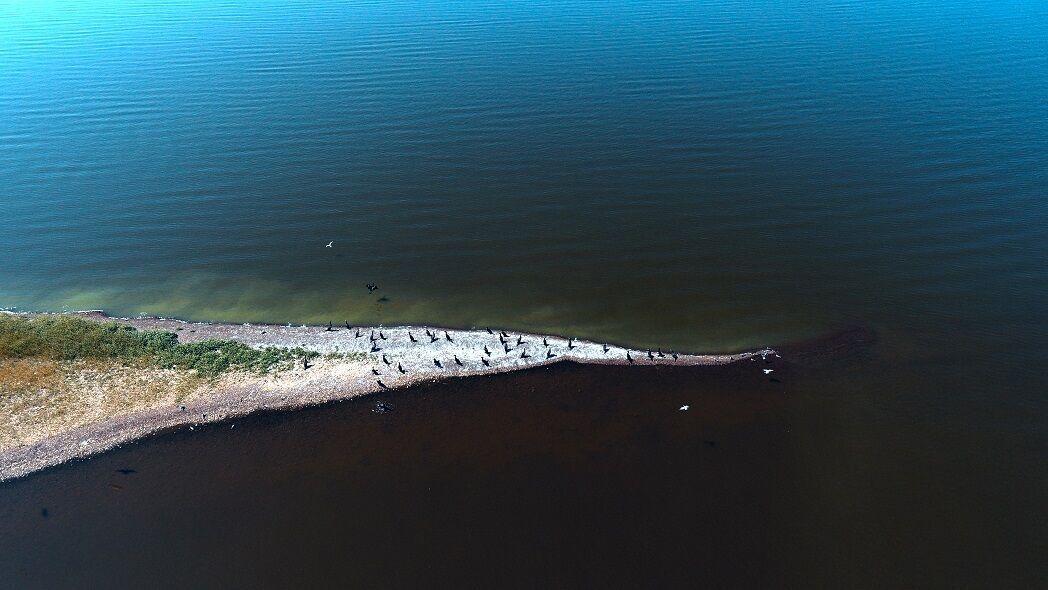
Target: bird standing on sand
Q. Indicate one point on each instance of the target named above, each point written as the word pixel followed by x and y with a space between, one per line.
pixel 628 357
pixel 374 347
pixel 606 349
pixel 375 372
pixel 506 346
pixel 447 336
pixel 486 351
pixel 660 354
pixel 485 361
pixel 490 332
pixel 544 343
pixel 520 340
pixel 357 335
pixel 381 384
pixel 381 335
pixel 433 338
pixel 386 360
pixel 401 369
pixel 674 356
pixel 571 343
pixel 437 363
pixel 549 354
pixel 651 357
pixel 411 337
pixel 330 328
pixel 305 363
pixel 525 355
pixel 457 361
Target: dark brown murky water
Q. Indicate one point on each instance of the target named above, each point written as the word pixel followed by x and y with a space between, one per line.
pixel 567 476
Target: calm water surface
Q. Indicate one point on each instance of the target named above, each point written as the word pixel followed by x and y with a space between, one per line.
pixel 697 175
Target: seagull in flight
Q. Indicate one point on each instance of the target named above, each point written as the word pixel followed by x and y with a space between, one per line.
pixel 766 371
pixel 330 244
pixel 684 408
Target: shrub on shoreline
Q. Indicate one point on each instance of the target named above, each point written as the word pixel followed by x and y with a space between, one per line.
pixel 64 338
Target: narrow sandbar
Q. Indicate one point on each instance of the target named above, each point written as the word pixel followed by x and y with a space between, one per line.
pixel 401 355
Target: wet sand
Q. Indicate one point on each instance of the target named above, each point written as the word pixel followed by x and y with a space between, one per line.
pixel 402 355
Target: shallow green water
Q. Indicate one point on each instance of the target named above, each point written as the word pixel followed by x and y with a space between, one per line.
pixel 693 175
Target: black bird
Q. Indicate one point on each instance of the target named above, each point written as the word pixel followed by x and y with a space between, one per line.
pixel 433 339
pixel 374 347
pixel 386 360
pixel 651 357
pixel 520 340
pixel 544 343
pixel 525 355
pixel 348 327
pixel 381 335
pixel 358 333
pixel 447 336
pixel 628 357
pixel 570 343
pixel 401 369
pixel 411 337
pixel 661 355
pixel 375 371
pixel 437 363
pixel 485 361
pixel 486 351
pixel 502 340
pixel 126 471
pixel 674 356
pixel 506 346
pixel 381 384
pixel 457 361
pixel 428 333
pixel 504 334
pixel 490 332
pixel 606 349
pixel 330 328
pixel 372 336
pixel 305 363
pixel 549 354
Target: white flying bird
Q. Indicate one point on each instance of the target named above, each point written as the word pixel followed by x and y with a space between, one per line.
pixel 684 408
pixel 330 244
pixel 766 371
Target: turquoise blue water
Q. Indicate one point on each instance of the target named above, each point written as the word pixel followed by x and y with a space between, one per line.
pixel 694 175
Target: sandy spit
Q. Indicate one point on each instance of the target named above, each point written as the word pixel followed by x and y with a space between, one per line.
pixel 402 355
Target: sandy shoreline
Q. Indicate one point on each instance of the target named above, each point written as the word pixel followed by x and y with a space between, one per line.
pixel 405 356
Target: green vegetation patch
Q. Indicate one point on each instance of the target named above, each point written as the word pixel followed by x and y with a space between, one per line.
pixel 70 338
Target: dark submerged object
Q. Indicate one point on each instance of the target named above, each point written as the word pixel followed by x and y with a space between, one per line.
pixel 382 408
